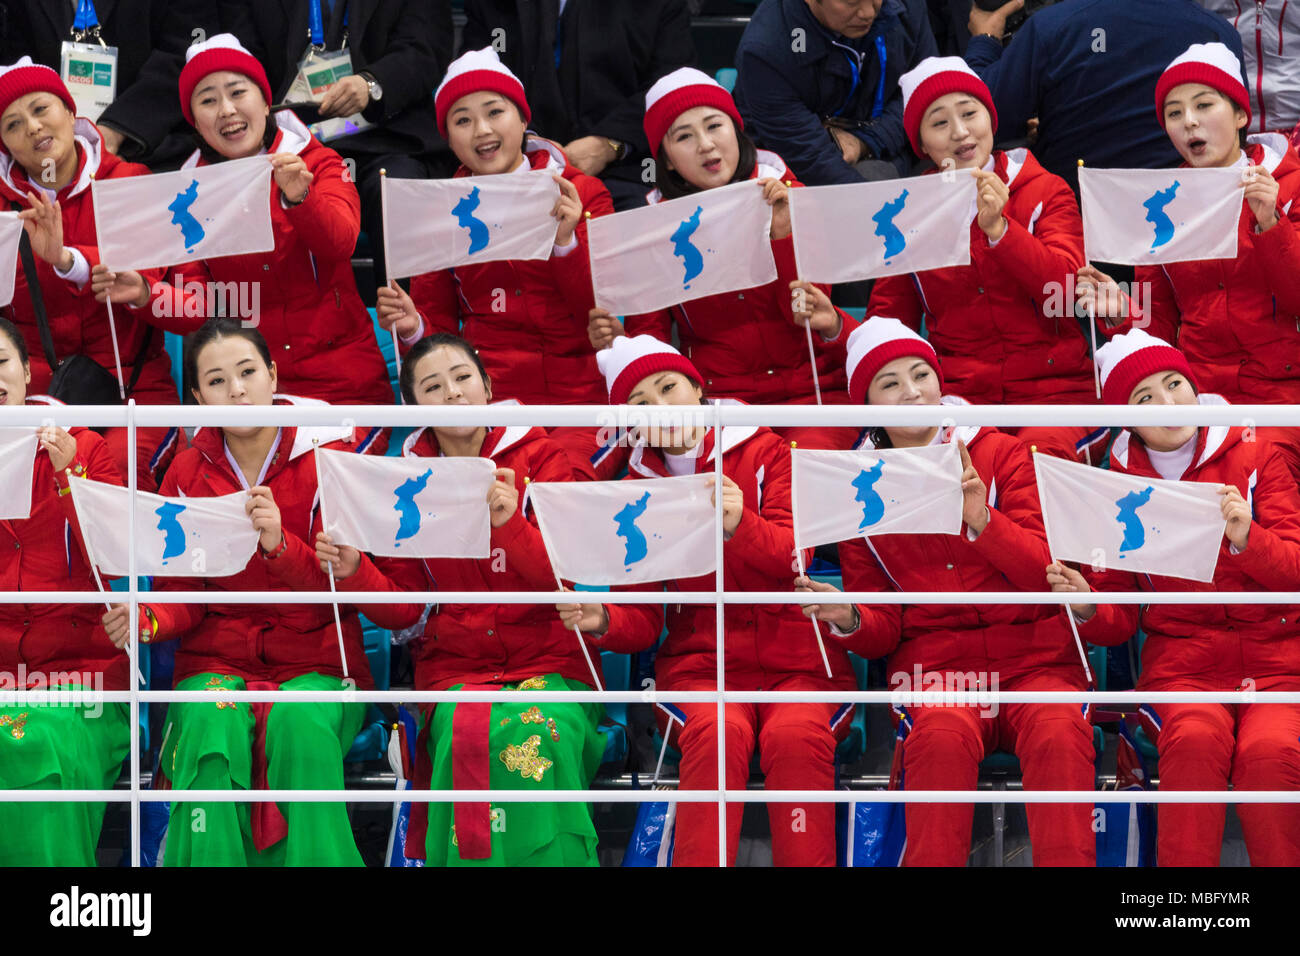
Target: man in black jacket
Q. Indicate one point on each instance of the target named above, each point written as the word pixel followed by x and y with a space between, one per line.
pixel 400 50
pixel 586 65
pixel 143 123
pixel 818 83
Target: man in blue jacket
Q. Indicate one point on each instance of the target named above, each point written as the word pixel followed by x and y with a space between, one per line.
pixel 1088 69
pixel 818 83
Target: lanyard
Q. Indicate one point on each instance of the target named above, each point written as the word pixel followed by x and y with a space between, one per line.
pixel 86 22
pixel 316 23
pixel 879 106
pixel 855 67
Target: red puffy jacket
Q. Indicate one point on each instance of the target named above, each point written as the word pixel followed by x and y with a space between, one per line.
pixel 766 643
pixel 308 308
pixel 79 324
pixel 271 642
pixel 528 319
pixel 497 643
pixel 1011 640
pixel 1267 635
pixel 745 344
pixel 1001 325
pixel 45 552
pixel 1238 320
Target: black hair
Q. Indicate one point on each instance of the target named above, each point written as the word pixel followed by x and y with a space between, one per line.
pixel 211 331
pixel 673 186
pixel 427 345
pixel 211 156
pixel 10 331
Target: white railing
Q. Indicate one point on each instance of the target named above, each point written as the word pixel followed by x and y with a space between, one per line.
pixel 132 417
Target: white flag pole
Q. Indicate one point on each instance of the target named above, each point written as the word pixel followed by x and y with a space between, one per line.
pixel 798 556
pixel 812 360
pixel 338 627
pixel 1096 373
pixel 383 213
pixel 559 585
pixel 1078 641
pixel 117 358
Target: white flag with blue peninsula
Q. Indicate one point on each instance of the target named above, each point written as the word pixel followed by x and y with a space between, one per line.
pixel 147 222
pixel 841 495
pixel 11 231
pixel 17 454
pixel 855 231
pixel 174 537
pixel 627 532
pixel 1149 216
pixel 407 507
pixel 1119 522
pixel 433 224
pixel 704 244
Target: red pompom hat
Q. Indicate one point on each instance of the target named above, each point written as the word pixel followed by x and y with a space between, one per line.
pixel 1210 63
pixel 26 77
pixel 478 71
pixel 679 91
pixel 933 77
pixel 876 343
pixel 222 52
pixel 1130 357
pixel 630 359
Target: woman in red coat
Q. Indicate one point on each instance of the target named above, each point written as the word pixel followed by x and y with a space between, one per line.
pixel 286 646
pixel 529 743
pixel 769 647
pixel 303 291
pixel 527 319
pixel 1236 320
pixel 48 157
pixel 748 345
pixel 1208 647
pixel 966 647
pixel 54 645
pixel 1002 326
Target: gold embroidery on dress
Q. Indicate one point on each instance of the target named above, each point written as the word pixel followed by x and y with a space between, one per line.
pixel 218 683
pixel 16 725
pixel 526 759
pixel 504 721
pixel 533 683
pixel 550 725
pixel 533 715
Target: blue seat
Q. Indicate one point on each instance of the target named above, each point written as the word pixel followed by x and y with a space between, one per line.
pixel 175 346
pixel 727 77
pixel 371 742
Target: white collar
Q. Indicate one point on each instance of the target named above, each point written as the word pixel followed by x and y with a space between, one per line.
pixel 684 464
pixel 266 464
pixel 1172 465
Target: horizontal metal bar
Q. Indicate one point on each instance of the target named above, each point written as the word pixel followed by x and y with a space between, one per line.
pixel 848 416
pixel 1129 698
pixel 657 597
pixel 650 796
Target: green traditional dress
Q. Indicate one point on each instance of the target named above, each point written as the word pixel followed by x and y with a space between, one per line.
pixel 79 746
pixel 532 745
pixel 212 747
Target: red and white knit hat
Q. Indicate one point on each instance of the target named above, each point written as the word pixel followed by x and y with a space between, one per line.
pixel 933 77
pixel 1210 63
pixel 221 52
pixel 679 91
pixel 631 359
pixel 876 343
pixel 478 71
pixel 1130 357
pixel 25 77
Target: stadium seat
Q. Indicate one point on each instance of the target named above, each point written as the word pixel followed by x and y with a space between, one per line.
pixel 727 77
